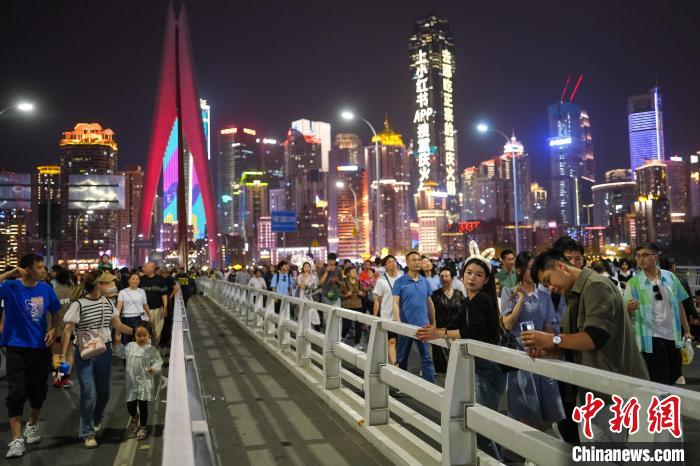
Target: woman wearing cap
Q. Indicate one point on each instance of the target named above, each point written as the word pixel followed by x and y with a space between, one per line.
pixel 477 320
pixel 91 310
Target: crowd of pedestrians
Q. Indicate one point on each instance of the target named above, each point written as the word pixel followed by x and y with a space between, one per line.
pixel 630 316
pixel 57 327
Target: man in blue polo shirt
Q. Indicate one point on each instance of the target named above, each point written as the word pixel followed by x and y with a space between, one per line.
pixel 412 305
pixel 27 341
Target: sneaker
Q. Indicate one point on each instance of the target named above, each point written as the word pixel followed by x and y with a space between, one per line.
pixel 90 442
pixel 32 434
pixel 142 434
pixel 57 383
pixel 680 380
pixel 17 448
pixel 66 382
pixel 97 427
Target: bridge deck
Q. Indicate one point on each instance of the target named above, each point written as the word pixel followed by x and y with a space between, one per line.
pixel 258 412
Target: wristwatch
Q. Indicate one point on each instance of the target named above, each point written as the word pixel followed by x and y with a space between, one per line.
pixel 556 340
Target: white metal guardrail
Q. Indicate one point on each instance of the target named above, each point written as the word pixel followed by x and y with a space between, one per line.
pixel 186 440
pixel 461 418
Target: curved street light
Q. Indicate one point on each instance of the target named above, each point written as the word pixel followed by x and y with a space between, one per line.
pixel 484 128
pixel 24 107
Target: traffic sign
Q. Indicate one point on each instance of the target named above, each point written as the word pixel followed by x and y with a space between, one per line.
pixel 284 221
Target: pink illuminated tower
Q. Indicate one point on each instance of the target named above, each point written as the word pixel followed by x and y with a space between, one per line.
pixel 177 119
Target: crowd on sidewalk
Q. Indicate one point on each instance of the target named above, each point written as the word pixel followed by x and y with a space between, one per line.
pixel 58 326
pixel 631 316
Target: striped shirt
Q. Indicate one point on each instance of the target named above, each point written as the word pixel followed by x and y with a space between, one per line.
pixel 92 314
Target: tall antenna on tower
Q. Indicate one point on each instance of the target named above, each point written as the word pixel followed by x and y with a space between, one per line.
pixel 578 83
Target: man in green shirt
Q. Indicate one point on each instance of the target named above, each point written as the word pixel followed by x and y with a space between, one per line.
pixel 507 277
pixel 595 328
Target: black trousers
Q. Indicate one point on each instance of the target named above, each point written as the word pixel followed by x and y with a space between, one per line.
pixel 142 410
pixel 664 364
pixel 27 378
pixel 167 332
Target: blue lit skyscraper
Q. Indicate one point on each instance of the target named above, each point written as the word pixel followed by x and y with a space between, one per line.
pixel 571 162
pixel 646 128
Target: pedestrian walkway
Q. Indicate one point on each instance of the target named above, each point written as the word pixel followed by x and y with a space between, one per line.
pixel 257 411
pixel 58 425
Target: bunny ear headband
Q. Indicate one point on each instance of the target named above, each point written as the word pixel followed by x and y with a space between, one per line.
pixel 484 257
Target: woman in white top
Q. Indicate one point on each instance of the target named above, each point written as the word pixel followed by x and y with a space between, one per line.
pixel 307 283
pixel 91 310
pixel 132 305
pixel 257 282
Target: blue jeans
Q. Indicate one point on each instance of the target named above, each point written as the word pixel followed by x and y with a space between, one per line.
pixel 93 375
pixel 129 322
pixel 403 349
pixel 489 387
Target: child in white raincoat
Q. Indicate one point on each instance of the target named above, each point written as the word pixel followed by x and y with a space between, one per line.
pixel 143 362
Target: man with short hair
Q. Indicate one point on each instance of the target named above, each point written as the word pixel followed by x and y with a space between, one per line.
pixel 572 251
pixel 156 296
pixel 243 277
pixel 654 300
pixel 330 282
pixel 28 345
pixel 507 278
pixel 412 305
pixel 595 330
pixel 384 301
pixel 281 283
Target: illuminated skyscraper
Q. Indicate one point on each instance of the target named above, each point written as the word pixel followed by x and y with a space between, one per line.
pixel 15 203
pixel 646 128
pixel 694 188
pixel 612 202
pixel 394 188
pixel 346 152
pixel 127 219
pixel 432 66
pixel 538 199
pixel 353 232
pixel 652 208
pixel 239 152
pixel 47 188
pixel 87 150
pixel 469 198
pixel 253 202
pixel 571 162
pixel 677 169
pixel 272 161
pixel 322 132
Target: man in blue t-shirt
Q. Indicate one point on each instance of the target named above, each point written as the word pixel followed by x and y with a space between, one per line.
pixel 27 301
pixel 412 305
pixel 281 283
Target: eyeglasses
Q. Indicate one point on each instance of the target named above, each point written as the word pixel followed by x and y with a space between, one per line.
pixel 657 292
pixel 644 255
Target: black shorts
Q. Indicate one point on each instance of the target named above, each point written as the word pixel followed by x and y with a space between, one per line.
pixel 27 378
pixel 390 335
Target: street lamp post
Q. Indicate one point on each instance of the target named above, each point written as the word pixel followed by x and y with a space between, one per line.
pixel 377 236
pixel 356 230
pixel 483 128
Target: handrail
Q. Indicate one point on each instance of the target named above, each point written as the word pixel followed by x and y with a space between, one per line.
pixel 461 417
pixel 186 439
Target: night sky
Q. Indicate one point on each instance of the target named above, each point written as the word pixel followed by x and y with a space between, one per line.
pixel 262 64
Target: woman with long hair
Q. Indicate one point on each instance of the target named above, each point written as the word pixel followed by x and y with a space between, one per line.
pixel 447 301
pixel 532 398
pixel 351 294
pixel 307 284
pixel 91 311
pixel 477 320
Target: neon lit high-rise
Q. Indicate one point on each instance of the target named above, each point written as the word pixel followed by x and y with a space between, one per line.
pixel 646 128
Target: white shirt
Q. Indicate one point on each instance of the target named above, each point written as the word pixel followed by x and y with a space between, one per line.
pixel 257 283
pixel 92 314
pixel 133 301
pixel 383 290
pixel 663 315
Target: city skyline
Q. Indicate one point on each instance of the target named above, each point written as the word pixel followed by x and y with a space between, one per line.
pixel 481 92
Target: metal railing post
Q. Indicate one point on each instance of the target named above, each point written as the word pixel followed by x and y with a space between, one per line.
pixel 331 362
pixel 303 345
pixel 269 312
pixel 283 336
pixel 458 443
pixel 376 391
pixel 259 311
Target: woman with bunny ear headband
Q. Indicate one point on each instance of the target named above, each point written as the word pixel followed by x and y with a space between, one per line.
pixel 478 320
